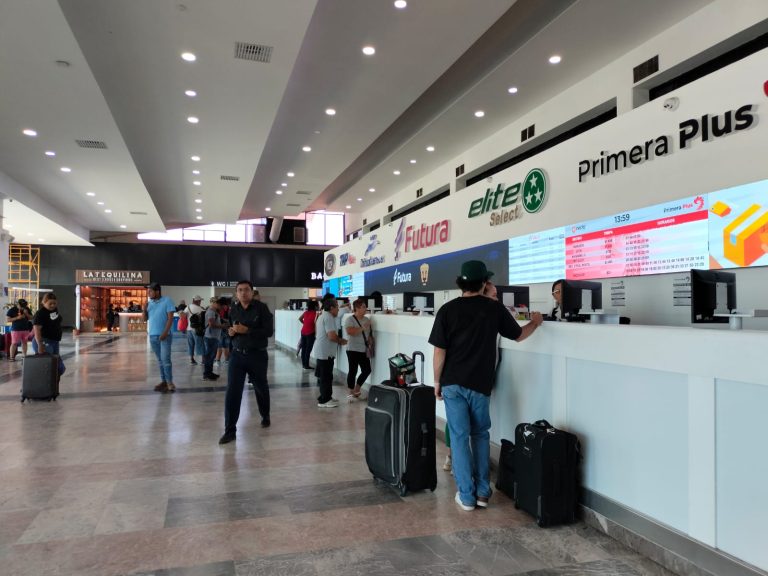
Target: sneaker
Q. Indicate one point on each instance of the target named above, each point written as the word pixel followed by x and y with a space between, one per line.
pixel 447 465
pixel 227 438
pixel 193 361
pixel 482 501
pixel 162 387
pixel 265 423
pixel 211 377
pixel 171 387
pixel 218 362
pixel 330 404
pixel 462 505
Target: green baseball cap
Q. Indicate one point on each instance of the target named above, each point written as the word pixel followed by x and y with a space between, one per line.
pixel 474 270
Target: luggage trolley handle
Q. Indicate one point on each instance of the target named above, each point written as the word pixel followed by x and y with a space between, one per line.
pixel 418 354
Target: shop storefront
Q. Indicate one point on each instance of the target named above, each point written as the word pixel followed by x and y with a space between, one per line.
pixel 96 290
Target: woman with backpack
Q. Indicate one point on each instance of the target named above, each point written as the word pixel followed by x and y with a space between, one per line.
pixel 195 314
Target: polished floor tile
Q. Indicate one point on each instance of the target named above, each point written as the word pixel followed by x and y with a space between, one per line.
pixel 115 479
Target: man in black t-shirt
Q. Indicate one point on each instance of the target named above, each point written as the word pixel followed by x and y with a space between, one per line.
pixel 464 337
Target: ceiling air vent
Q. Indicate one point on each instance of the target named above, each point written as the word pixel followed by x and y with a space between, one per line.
pixel 91 144
pixel 419 192
pixel 365 221
pixel 389 208
pixel 253 52
pixel 459 170
pixel 645 69
pixel 294 205
pixel 139 213
pixel 230 178
pixel 303 193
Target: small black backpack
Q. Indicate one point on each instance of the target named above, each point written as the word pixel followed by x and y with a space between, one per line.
pixel 197 322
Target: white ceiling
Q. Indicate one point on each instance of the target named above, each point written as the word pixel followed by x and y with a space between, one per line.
pixel 436 62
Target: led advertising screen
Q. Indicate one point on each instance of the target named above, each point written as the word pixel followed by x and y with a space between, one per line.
pixel 738 226
pixel 667 237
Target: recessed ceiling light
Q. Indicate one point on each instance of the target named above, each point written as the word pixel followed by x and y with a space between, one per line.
pixel 123 226
pixel 188 56
pixel 197 182
pixel 413 161
pixel 396 172
pixel 198 200
pixel 198 209
pixel 50 153
pixel 278 192
pixel 30 234
pixel 196 172
pixel 555 59
pixel 193 119
pixel 90 193
pixel 317 131
pixel 290 174
pixel 100 203
pixel 284 184
pixel 430 148
pixel 348 206
pixel 195 158
pixel 479 114
pixel 400 4
pixel 369 50
pixel 199 217
pixel 29 132
pixel 359 199
pixel 41 239
pixel 512 89
pixel 268 209
pixel 330 111
pixel 190 93
pixel 108 211
pixel 371 189
pixel 307 149
pixel 65 169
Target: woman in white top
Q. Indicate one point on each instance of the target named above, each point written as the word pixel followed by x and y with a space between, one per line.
pixel 360 341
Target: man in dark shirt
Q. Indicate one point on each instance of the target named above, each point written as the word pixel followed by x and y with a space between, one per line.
pixel 464 337
pixel 251 325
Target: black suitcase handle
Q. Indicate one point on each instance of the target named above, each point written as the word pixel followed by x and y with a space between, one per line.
pixel 418 354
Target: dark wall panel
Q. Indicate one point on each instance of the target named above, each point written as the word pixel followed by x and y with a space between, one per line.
pixel 179 265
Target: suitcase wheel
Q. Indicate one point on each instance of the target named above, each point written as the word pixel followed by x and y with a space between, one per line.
pixel 23 398
pixel 403 490
pixel 541 523
pixel 517 506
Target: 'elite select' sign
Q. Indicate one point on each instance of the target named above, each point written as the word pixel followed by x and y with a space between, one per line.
pixel 115 277
pixel 509 204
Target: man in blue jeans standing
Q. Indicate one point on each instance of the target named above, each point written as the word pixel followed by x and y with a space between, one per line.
pixel 464 364
pixel 159 316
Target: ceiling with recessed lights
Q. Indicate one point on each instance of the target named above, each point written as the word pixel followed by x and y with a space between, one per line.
pixel 170 113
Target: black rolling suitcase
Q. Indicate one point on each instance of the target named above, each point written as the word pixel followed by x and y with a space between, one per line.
pixel 40 377
pixel 400 434
pixel 546 463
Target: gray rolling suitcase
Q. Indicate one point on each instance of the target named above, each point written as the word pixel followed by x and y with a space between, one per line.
pixel 40 377
pixel 400 435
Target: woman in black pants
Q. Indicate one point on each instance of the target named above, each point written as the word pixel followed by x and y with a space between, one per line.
pixel 360 341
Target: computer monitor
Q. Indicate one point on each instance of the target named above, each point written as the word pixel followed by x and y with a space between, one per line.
pixel 374 302
pixel 712 292
pixel 514 296
pixel 418 301
pixel 573 298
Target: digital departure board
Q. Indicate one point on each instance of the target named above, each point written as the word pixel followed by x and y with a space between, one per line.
pixel 537 257
pixel 663 238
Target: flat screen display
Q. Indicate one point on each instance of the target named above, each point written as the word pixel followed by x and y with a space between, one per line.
pixel 538 257
pixel 738 226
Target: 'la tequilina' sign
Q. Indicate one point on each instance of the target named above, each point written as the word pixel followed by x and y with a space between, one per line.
pixel 707 128
pixel 117 277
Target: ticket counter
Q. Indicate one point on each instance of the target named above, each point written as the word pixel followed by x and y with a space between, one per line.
pixel 670 418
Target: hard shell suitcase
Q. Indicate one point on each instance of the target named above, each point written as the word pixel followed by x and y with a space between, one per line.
pixel 400 435
pixel 546 463
pixel 40 377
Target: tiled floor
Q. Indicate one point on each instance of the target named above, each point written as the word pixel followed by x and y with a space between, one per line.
pixel 114 479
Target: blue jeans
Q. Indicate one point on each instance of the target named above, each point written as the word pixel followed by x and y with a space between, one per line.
pixel 51 347
pixel 254 364
pixel 211 345
pixel 469 423
pixel 162 350
pixel 307 341
pixel 195 343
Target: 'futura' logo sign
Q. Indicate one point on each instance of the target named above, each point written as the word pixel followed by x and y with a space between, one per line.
pixel 508 204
